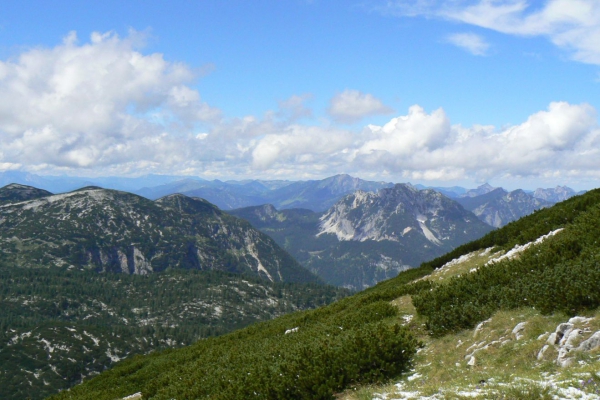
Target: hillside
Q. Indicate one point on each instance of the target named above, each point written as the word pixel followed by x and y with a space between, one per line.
pixel 58 327
pixel 544 271
pixel 498 207
pixel 94 276
pixel 368 237
pixel 112 231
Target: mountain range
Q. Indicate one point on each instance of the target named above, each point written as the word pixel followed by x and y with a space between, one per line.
pixel 367 237
pixel 514 315
pixel 497 207
pixel 108 230
pixel 316 195
pixel 92 276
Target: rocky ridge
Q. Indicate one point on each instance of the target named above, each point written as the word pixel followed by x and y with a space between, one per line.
pixel 112 231
pixel 368 237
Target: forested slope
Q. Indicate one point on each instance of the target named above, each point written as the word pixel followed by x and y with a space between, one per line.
pixel 362 338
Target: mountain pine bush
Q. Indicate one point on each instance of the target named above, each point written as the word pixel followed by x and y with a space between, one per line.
pixel 560 274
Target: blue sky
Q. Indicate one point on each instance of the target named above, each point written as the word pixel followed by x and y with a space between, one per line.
pixel 432 92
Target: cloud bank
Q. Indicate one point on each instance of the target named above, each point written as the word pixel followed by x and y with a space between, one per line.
pixel 96 104
pixel 104 107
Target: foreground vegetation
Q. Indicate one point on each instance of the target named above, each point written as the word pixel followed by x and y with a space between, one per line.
pixel 59 326
pixel 356 340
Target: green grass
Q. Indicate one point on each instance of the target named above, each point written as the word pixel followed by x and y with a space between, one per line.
pixel 509 367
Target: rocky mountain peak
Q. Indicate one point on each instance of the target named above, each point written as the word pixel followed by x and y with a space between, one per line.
pixel 394 212
pixel 482 189
pixel 559 193
pixel 15 192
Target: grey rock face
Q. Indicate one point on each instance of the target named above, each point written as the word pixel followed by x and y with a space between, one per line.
pixel 569 337
pixel 395 213
pixel 590 344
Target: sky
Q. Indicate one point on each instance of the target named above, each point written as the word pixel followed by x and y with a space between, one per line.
pixel 456 92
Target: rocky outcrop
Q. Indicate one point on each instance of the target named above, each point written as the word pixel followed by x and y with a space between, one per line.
pixel 569 337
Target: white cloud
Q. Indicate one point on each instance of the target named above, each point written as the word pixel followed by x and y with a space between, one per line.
pixel 421 145
pixel 352 105
pixel 470 42
pixel 301 146
pixel 560 142
pixel 106 107
pixel 94 104
pixel 573 25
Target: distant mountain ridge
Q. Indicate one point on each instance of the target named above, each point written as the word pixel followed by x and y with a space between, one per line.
pixel 316 195
pixel 499 207
pixel 108 230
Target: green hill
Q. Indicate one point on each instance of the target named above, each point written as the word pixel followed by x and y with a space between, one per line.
pixel 113 231
pixel 91 277
pixel 373 336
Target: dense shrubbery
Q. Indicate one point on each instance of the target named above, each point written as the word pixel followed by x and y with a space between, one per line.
pixel 127 314
pixel 355 340
pixel 560 274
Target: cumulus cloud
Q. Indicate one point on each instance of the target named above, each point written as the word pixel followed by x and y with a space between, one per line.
pixel 352 105
pixel 107 107
pixel 573 25
pixel 422 145
pixel 94 104
pixel 427 146
pixel 301 146
pixel 470 42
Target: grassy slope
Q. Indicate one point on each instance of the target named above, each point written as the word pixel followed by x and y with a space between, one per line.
pixel 440 366
pixel 504 366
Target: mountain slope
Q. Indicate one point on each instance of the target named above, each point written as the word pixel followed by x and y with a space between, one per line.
pixel 113 231
pixel 498 207
pixel 58 327
pixel 473 319
pixel 184 271
pixel 366 237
